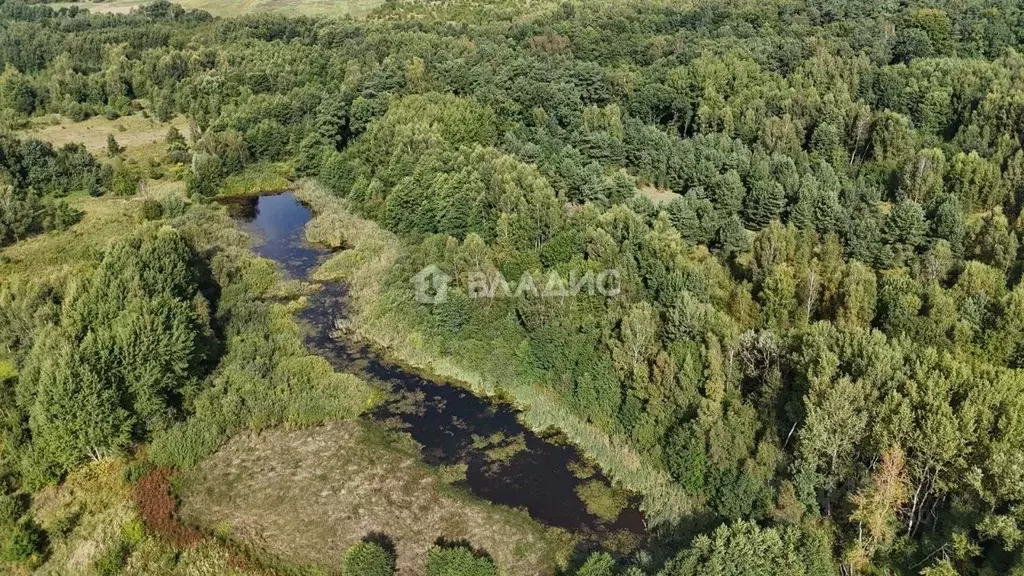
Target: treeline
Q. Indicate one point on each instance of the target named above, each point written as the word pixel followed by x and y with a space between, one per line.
pixel 815 208
pixel 34 180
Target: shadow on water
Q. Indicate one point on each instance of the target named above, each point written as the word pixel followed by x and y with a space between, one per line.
pixel 506 463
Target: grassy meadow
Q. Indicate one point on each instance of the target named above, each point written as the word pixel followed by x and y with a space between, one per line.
pixel 304 496
pixel 57 254
pixel 141 137
pixel 94 522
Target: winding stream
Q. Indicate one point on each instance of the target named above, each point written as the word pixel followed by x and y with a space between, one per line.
pixel 506 463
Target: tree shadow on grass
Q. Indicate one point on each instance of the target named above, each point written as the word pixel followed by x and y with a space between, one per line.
pixel 478 552
pixel 385 542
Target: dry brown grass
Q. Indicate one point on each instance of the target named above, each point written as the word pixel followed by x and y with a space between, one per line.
pixel 306 496
pixel 658 196
pixel 142 138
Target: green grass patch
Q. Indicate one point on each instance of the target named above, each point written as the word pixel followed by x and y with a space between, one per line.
pixel 58 254
pixel 452 473
pixel 498 448
pixel 258 180
pixel 7 370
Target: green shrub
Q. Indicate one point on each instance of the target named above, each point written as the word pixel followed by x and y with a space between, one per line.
pixel 602 500
pixel 19 542
pixel 127 178
pixel 112 560
pixel 134 471
pixel 598 564
pixel 59 215
pixel 185 444
pixel 19 538
pixel 152 209
pixel 458 561
pixel 367 559
pixel 686 457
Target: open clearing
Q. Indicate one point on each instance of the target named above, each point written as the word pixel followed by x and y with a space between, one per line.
pixel 93 512
pixel 659 196
pixel 306 496
pixel 229 8
pixel 141 138
pixel 56 254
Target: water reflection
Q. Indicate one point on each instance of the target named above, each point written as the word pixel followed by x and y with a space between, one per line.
pixel 505 462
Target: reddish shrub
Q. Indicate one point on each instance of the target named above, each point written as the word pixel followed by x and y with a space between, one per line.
pixel 158 509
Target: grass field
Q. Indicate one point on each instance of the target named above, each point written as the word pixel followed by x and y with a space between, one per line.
pixel 142 138
pixel 659 196
pixel 306 496
pixel 59 253
pixel 228 8
pixel 56 255
pixel 93 515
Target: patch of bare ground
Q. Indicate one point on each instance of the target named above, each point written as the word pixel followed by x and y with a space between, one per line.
pixel 306 496
pixel 659 196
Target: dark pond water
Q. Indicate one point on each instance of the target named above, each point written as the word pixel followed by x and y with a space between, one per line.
pixel 506 463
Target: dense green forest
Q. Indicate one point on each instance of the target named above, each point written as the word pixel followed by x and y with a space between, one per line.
pixel 814 206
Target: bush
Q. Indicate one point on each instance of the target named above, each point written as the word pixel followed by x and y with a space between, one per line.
pixel 186 444
pixel 598 564
pixel 367 559
pixel 113 148
pixel 686 457
pixel 19 538
pixel 19 542
pixel 173 205
pixel 112 559
pixel 127 177
pixel 458 561
pixel 602 500
pixel 152 209
pixel 135 471
pixel 58 215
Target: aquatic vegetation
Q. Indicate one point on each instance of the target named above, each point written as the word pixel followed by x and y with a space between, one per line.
pixel 602 500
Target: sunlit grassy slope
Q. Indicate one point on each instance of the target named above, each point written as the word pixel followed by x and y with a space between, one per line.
pixel 142 138
pixel 240 7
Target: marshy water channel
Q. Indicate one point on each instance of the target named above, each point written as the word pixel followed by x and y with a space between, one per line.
pixel 505 462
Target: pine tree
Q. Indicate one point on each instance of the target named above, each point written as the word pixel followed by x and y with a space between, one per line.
pixel 763 203
pixel 906 224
